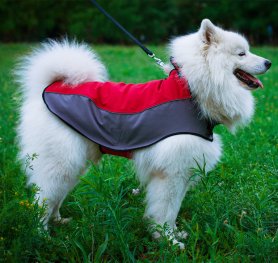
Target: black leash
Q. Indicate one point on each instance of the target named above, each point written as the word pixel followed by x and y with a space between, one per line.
pixel 134 39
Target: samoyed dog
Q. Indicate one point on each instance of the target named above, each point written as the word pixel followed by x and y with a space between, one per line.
pixel 219 69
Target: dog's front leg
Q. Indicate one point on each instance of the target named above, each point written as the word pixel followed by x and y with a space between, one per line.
pixel 165 193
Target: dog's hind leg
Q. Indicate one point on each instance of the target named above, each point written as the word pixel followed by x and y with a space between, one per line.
pixel 54 186
pixel 56 171
pixel 164 196
pixel 93 154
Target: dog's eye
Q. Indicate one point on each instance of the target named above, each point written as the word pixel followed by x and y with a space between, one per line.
pixel 241 54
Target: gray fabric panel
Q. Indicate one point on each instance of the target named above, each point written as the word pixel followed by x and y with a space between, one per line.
pixel 128 131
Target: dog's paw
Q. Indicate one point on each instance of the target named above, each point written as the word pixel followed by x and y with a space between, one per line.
pixel 182 234
pixel 156 235
pixel 179 244
pixel 172 238
pixel 62 220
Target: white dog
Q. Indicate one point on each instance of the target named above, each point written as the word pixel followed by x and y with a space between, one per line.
pixel 217 65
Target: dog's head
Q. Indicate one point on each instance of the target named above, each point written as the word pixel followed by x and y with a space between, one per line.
pixel 231 51
pixel 219 56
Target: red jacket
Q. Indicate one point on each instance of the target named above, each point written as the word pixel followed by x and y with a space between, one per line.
pixel 122 117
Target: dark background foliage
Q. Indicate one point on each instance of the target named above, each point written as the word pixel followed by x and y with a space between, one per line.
pixel 150 20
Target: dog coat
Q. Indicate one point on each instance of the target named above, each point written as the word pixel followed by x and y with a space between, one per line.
pixel 123 117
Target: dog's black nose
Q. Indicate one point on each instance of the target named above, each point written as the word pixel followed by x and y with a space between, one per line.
pixel 267 64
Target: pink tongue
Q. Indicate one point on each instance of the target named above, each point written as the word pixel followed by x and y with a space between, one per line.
pixel 259 83
pixel 255 80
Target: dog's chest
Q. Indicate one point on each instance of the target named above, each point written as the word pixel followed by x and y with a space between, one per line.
pixel 124 117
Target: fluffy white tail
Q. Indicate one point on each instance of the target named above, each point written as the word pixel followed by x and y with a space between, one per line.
pixel 68 61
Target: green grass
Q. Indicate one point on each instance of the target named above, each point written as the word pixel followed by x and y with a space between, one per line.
pixel 231 216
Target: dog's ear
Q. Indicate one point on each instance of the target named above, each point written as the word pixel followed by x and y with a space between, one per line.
pixel 208 32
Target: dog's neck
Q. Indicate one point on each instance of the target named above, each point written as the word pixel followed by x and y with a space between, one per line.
pixel 221 104
pixel 212 118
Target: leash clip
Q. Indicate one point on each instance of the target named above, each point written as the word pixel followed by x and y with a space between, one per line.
pixel 158 61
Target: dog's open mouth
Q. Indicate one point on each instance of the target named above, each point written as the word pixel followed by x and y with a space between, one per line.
pixel 248 79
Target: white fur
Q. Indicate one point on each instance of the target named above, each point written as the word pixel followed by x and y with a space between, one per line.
pixel 207 59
